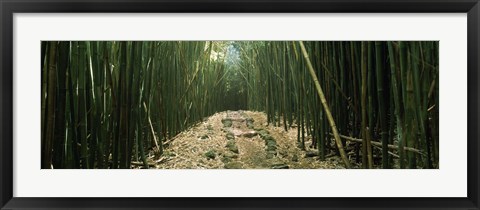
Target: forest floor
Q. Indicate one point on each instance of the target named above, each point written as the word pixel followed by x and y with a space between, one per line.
pixel 239 140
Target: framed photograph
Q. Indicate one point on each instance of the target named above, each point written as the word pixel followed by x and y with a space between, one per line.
pixel 239 104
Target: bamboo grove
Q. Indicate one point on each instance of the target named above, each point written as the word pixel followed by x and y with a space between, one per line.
pixel 382 97
pixel 108 103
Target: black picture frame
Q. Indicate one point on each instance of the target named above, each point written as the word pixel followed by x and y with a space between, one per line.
pixel 9 7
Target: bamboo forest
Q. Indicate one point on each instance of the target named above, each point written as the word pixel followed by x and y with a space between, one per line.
pixel 240 105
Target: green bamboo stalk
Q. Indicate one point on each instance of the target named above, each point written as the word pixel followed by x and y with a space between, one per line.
pixel 72 106
pixel 364 108
pixel 410 119
pixel 325 106
pixel 381 102
pixel 59 153
pixel 421 100
pixel 398 105
pixel 371 107
pixel 82 104
pixel 47 142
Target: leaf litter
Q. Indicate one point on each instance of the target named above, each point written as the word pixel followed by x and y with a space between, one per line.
pixel 239 140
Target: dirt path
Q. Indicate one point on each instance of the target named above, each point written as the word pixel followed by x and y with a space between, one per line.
pixel 238 140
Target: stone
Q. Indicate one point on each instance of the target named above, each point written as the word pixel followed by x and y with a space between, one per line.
pixel 210 154
pixel 311 153
pixel 250 123
pixel 230 136
pixel 233 165
pixel 249 134
pixel 230 155
pixel 234 149
pixel 227 122
pixel 230 143
pixel 271 142
pixel 271 154
pixel 263 133
pixel 295 158
pixel 271 147
pixel 232 146
pixel 268 138
pixel 226 159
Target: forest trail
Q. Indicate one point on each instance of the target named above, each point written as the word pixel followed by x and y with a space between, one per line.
pixel 238 140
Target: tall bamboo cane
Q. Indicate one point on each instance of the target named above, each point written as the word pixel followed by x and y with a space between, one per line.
pixel 325 106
